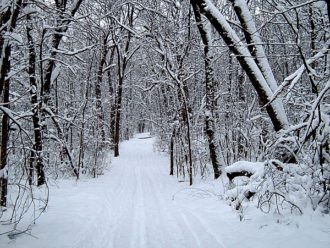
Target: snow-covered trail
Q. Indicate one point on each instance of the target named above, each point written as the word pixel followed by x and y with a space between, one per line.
pixel 140 201
pixel 138 205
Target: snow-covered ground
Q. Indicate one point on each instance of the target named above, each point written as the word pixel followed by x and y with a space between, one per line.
pixel 137 204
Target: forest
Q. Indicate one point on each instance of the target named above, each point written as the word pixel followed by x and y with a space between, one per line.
pixel 233 89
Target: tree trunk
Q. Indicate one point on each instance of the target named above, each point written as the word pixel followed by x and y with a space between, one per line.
pixel 98 91
pixel 264 88
pixel 209 96
pixel 112 96
pixel 8 20
pixel 4 146
pixel 172 151
pixel 63 22
pixel 122 64
pixel 37 154
pixel 118 115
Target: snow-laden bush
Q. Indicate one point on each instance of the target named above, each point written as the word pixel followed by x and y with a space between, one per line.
pixel 279 187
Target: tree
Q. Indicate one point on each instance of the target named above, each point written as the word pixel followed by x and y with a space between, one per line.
pixel 8 20
pixel 124 54
pixel 209 95
pixel 36 152
pixel 255 65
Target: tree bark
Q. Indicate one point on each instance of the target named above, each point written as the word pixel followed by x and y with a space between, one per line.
pixel 172 151
pixel 122 64
pixel 98 91
pixel 36 156
pixel 112 96
pixel 209 95
pixel 118 109
pixel 4 146
pixel 8 23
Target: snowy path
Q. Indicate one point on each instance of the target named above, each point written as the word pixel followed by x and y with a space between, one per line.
pixel 140 200
pixel 138 205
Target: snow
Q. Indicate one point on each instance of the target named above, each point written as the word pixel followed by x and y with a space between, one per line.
pixel 137 204
pixel 2 173
pixel 267 86
pixel 241 186
pixel 4 4
pixel 261 57
pixel 255 168
pixel 314 107
pixel 14 36
pixel 291 80
pixel 55 73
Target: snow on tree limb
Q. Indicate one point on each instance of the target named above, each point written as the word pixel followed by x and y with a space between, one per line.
pixel 275 109
pixel 291 80
pixel 73 53
pixel 254 41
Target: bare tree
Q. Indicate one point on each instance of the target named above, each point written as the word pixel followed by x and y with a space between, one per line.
pixel 124 54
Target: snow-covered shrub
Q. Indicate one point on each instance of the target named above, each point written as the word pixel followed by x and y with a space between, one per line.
pixel 279 187
pixel 245 178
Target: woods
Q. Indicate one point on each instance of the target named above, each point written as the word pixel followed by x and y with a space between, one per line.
pixel 216 82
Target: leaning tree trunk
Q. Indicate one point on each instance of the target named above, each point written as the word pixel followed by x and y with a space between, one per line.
pixel 258 75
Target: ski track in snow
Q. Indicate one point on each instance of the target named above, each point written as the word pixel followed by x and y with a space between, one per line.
pixel 144 213
pixel 138 205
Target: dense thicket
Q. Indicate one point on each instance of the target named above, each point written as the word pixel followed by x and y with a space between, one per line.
pixel 215 81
